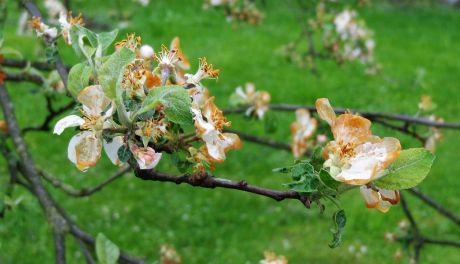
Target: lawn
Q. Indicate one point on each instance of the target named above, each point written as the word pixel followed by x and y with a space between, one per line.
pixel 225 226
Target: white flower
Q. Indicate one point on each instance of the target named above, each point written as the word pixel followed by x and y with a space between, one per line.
pixel 54 8
pixel 85 148
pixel 209 125
pixel 302 130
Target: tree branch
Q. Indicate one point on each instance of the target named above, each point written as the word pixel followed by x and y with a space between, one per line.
pixel 208 181
pixel 435 205
pixel 45 126
pixel 85 191
pixel 369 115
pixel 261 141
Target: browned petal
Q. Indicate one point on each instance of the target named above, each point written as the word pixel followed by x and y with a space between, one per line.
pixel 390 196
pixel 152 80
pixel 184 62
pixel 370 196
pixel 351 129
pixel 325 110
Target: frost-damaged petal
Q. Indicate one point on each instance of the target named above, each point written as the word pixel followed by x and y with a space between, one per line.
pixel 351 129
pixel 146 158
pixel 325 110
pixel 84 150
pixel 217 144
pixel 383 206
pixel 389 196
pixel 111 149
pixel 93 99
pixel 370 196
pixel 360 171
pixel 66 122
pixel 183 62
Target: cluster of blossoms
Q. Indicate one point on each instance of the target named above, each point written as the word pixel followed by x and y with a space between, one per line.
pixel 146 110
pixel 169 255
pixel 48 33
pixel 237 10
pixel 345 36
pixel 258 102
pixel 357 157
pixel 400 233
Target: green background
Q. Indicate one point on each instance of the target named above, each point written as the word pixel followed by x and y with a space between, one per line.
pixel 419 50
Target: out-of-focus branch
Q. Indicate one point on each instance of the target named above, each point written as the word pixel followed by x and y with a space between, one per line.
pixel 85 191
pixel 45 126
pixel 374 116
pixel 24 77
pixel 42 66
pixel 261 141
pixel 208 181
pixel 435 205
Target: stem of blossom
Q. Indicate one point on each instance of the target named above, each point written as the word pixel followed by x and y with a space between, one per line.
pixel 165 72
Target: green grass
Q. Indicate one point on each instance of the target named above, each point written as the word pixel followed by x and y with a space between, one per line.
pixel 225 226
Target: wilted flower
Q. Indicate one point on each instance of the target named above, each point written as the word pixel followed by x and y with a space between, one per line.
pixel 302 130
pixel 205 71
pixel 42 29
pixel 200 159
pixel 146 157
pixel 258 101
pixel 426 104
pixel 66 23
pixel 54 8
pixel 85 148
pixel 272 258
pixel 169 255
pixel 151 129
pixel 355 156
pixel 379 198
pixel 209 123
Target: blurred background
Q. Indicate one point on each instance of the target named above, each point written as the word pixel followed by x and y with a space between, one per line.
pixel 417 49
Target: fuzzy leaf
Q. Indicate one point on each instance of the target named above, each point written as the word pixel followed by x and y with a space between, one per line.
pixel 411 167
pixel 112 69
pixel 327 180
pixel 78 78
pixel 176 102
pixel 107 252
pixel 124 154
pixel 339 218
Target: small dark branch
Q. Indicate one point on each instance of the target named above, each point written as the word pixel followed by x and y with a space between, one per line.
pixel 441 242
pixel 435 205
pixel 24 77
pixel 262 141
pixel 208 181
pixel 43 66
pixel 370 115
pixel 45 126
pixel 404 129
pixel 86 253
pixel 85 191
pixel 59 246
pixel 409 215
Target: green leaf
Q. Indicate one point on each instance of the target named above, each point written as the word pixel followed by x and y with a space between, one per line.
pixel 327 180
pixel 124 153
pixel 339 218
pixel 408 170
pixel 107 252
pixel 176 102
pixel 111 70
pixel 307 184
pixel 300 169
pixel 104 39
pixel 78 79
pixel 84 41
pixel 317 159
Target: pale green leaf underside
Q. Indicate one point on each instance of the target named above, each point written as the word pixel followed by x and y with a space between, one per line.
pixel 107 252
pixel 411 167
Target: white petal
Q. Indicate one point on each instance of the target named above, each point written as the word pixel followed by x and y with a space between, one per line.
pixel 66 122
pixel 111 149
pixel 370 196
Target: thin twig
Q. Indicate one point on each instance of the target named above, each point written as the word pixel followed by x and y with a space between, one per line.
pixel 261 141
pixel 85 191
pixel 366 114
pixel 45 126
